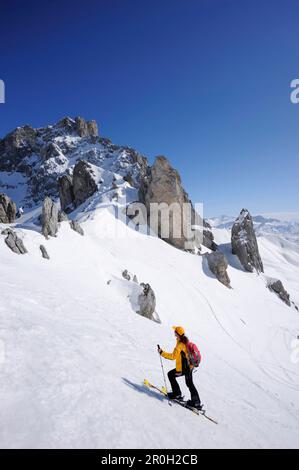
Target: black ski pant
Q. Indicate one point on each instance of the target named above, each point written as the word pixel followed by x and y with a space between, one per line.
pixel 173 374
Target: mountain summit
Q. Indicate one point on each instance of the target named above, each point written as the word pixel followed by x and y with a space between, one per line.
pixel 71 161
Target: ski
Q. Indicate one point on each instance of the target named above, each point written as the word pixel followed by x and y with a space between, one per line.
pixel 179 402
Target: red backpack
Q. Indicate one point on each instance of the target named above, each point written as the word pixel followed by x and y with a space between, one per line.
pixel 194 354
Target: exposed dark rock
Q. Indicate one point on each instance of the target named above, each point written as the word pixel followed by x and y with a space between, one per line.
pixel 62 217
pixel 15 146
pixel 76 227
pixel 129 178
pixel 14 242
pixel 51 150
pixel 208 240
pixel 276 286
pixel 86 128
pixel 49 218
pixel 218 265
pixel 41 156
pixel 44 252
pixel 126 275
pixel 68 125
pixel 147 302
pixel 66 193
pixel 8 209
pixel 244 243
pixel 93 130
pixel 84 182
pixel 161 184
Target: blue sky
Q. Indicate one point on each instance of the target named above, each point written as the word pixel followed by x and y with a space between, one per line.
pixel 204 82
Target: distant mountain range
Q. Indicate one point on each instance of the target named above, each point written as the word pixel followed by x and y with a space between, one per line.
pixel 283 224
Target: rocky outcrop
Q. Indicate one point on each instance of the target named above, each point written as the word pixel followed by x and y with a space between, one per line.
pixel 14 242
pixel 218 264
pixel 147 302
pixel 161 185
pixel 49 218
pixel 84 182
pixel 86 128
pixel 62 217
pixel 8 210
pixel 79 126
pixel 41 156
pixel 51 150
pixel 76 227
pixel 276 286
pixel 244 243
pixel 16 146
pixel 66 193
pixel 44 252
pixel 76 189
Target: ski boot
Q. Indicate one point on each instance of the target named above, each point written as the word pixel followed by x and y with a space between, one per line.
pixel 195 404
pixel 173 396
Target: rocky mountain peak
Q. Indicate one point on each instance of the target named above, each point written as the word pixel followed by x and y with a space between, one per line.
pixel 70 162
pixel 244 242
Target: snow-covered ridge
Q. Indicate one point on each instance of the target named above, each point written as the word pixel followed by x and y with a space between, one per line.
pixel 32 160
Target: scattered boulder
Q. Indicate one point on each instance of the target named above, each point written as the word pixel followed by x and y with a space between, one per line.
pixel 14 242
pixel 44 252
pixel 161 185
pixel 147 302
pixel 8 209
pixel 84 182
pixel 66 193
pixel 143 298
pixel 76 227
pixel 125 274
pixel 275 285
pixel 218 264
pixel 49 218
pixel 244 243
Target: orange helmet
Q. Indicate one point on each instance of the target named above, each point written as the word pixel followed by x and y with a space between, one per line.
pixel 179 330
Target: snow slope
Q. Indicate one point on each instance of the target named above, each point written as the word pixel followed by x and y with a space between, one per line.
pixel 75 353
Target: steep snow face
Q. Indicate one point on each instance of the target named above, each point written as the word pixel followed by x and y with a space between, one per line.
pixel 33 159
pixel 74 352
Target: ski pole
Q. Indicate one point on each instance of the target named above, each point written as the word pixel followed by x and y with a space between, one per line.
pixel 164 377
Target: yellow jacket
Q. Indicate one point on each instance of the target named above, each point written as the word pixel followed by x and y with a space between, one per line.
pixel 176 355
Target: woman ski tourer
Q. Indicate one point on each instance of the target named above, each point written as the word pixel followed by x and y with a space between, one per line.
pixel 183 368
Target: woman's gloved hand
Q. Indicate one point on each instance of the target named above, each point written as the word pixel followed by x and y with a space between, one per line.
pixel 159 349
